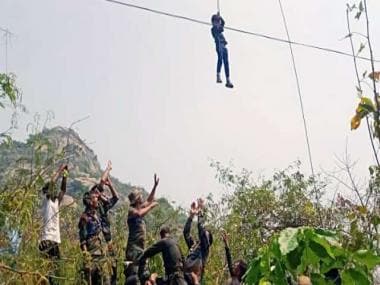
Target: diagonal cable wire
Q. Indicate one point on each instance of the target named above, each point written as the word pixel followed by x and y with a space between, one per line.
pixel 298 90
pixel 260 35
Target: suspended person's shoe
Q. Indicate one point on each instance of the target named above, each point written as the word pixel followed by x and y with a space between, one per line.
pixel 229 84
pixel 218 78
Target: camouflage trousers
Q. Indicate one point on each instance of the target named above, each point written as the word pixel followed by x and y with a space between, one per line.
pixel 131 267
pixel 97 269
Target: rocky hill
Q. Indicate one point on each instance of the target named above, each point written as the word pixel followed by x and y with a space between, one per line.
pixel 84 166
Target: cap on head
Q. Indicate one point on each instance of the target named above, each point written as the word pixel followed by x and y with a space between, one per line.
pixel 134 196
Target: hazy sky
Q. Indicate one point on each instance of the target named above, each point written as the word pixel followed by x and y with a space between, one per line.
pixel 148 83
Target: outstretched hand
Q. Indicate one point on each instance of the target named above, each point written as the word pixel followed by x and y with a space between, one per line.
pixel 201 204
pixel 108 182
pixel 156 181
pixel 62 168
pixel 109 165
pixel 193 209
pixel 224 237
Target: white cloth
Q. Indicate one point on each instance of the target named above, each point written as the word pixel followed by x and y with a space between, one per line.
pixel 50 215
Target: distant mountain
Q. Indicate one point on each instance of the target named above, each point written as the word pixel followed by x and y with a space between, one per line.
pixel 84 166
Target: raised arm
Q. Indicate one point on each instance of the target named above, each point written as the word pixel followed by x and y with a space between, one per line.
pixel 114 197
pixel 228 253
pixel 62 193
pixel 204 240
pixel 141 212
pixel 149 252
pixel 106 173
pixel 56 175
pixel 222 22
pixel 202 233
pixel 154 249
pixel 187 228
pixel 150 198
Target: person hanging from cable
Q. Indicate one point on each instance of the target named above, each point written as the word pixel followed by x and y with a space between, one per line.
pixel 105 204
pixel 199 249
pixel 238 268
pixel 221 49
pixel 51 236
pixel 138 208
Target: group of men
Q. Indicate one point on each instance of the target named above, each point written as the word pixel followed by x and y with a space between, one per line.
pixel 100 265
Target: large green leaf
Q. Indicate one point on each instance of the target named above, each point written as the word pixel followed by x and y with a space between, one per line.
pixel 293 258
pixel 275 249
pixel 324 243
pixel 279 276
pixel 309 258
pixel 253 274
pixel 366 258
pixel 288 240
pixel 354 277
pixel 319 250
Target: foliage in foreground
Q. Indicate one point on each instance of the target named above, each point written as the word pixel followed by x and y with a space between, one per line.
pixel 310 252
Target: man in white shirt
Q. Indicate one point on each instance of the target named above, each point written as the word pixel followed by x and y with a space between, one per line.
pixel 50 236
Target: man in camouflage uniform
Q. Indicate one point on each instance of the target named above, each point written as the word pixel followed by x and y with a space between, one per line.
pixel 96 267
pixel 105 204
pixel 137 229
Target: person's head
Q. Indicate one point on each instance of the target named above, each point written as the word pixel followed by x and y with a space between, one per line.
pixel 165 232
pixel 215 20
pixel 49 190
pixel 135 198
pixel 239 268
pixel 93 201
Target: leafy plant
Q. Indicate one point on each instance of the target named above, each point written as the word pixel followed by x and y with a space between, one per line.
pixel 315 253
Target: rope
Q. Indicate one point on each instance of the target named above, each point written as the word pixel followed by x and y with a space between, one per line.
pixel 218 6
pixel 328 50
pixel 7 36
pixel 301 105
pixel 298 88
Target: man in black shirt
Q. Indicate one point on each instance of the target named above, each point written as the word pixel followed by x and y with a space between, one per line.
pixel 198 249
pixel 220 43
pixel 172 256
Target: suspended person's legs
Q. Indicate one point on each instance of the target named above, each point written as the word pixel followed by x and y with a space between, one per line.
pixel 227 67
pixel 219 66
